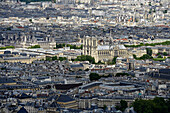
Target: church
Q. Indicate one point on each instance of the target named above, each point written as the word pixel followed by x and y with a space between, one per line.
pixel 103 51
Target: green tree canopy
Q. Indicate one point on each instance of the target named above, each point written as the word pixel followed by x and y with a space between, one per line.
pixel 147 44
pixel 7 47
pixel 165 53
pixel 157 105
pixel 149 51
pixel 123 105
pixel 85 58
pixel 68 45
pixel 94 76
pixel 121 74
pixel 35 46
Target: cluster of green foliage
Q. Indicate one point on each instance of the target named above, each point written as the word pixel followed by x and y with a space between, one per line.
pixel 36 46
pixel 152 44
pixel 123 106
pixel 164 54
pixel 8 29
pixel 149 51
pixel 157 105
pixel 7 47
pixel 159 59
pixel 85 58
pixel 30 20
pixel 94 76
pixel 145 56
pixel 68 45
pixel 55 58
pixel 121 74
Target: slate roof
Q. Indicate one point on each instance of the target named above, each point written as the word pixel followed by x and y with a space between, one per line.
pixel 65 98
pixel 7 80
pixel 107 47
pixel 23 96
pixel 61 98
pixel 22 110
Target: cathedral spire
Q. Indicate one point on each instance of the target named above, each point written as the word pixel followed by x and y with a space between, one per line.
pixel 110 40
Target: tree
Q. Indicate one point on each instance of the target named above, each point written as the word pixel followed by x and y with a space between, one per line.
pixel 165 53
pixel 149 51
pixel 94 76
pixel 62 58
pixel 145 56
pixel 159 56
pixel 30 20
pixel 48 58
pixel 134 56
pixel 54 58
pixel 35 46
pixel 114 60
pixel 123 105
pixel 104 107
pixel 121 74
pixel 9 28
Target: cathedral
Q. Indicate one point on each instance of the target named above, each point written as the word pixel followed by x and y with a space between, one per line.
pixel 103 51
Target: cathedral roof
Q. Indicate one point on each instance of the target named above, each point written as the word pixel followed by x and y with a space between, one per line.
pixel 107 47
pixel 103 47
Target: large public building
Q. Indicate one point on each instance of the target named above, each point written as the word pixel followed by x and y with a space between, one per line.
pixel 103 51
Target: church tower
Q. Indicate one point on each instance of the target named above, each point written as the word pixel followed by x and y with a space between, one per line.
pixel 90 46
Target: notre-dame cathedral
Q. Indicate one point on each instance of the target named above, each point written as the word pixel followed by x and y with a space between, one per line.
pixel 102 51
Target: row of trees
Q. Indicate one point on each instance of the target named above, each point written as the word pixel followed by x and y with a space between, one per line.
pixel 157 105
pixel 68 45
pixel 122 74
pixel 152 44
pixel 7 47
pixel 81 58
pixel 35 46
pixel 85 58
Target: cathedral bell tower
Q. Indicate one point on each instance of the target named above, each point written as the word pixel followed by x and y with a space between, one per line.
pixel 90 46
